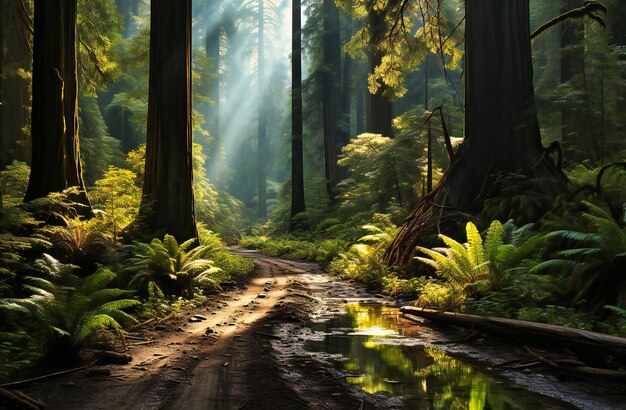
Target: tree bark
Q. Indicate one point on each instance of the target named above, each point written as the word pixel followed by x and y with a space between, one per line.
pixel 297 157
pixel 331 93
pixel 168 201
pixel 501 128
pixel 262 117
pixel 56 154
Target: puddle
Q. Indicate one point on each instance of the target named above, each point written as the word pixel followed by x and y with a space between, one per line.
pixel 365 344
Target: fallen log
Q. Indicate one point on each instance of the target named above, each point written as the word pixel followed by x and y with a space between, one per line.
pixel 580 340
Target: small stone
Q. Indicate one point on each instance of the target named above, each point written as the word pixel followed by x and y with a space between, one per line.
pixel 267 289
pixel 208 331
pixel 201 317
pixel 261 295
pixel 194 319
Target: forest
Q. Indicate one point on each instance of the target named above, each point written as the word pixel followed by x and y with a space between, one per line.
pixel 328 204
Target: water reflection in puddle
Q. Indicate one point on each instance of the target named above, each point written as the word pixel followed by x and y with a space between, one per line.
pixel 364 343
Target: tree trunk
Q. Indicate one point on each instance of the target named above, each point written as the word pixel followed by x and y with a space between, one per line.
pixel 502 131
pixel 297 157
pixel 380 106
pixel 429 151
pixel 331 93
pixel 262 120
pixel 56 155
pixel 212 47
pixel 168 202
pixel 360 110
pixel 346 88
pixel 572 56
pixel 15 142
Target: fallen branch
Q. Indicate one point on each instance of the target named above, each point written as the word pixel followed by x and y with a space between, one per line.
pixel 47 376
pixel 19 400
pixel 581 340
pixel 578 367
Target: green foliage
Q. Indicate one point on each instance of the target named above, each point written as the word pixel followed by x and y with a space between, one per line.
pixel 233 267
pixel 116 199
pixel 593 258
pixel 99 28
pixel 13 183
pixel 321 251
pixel 18 350
pixel 363 261
pixel 65 310
pixel 404 34
pixel 98 150
pixel 78 242
pixel 176 269
pixel 499 263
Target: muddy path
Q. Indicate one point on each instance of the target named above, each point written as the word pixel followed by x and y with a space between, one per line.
pixel 222 362
pixel 296 338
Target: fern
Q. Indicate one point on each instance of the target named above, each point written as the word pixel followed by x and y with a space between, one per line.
pixel 175 268
pixel 592 258
pixel 479 266
pixel 68 310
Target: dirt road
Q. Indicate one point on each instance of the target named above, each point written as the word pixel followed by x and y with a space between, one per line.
pixel 224 361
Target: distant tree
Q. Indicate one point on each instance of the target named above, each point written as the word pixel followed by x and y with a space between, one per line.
pixel 262 115
pixel 297 160
pixel 55 151
pixel 168 201
pixel 15 66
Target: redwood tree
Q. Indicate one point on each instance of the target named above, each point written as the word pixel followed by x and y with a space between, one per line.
pixel 331 93
pixel 297 160
pixel 55 150
pixel 168 201
pixel 501 128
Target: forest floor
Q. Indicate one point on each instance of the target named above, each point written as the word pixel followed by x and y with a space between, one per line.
pixel 240 355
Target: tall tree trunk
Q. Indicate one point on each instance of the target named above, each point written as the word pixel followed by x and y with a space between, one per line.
pixel 331 97
pixel 360 109
pixel 15 141
pixel 297 156
pixel 572 56
pixel 3 21
pixel 262 118
pixel 380 107
pixel 168 202
pixel 212 47
pixel 346 88
pixel 502 131
pixel 56 155
pixel 429 145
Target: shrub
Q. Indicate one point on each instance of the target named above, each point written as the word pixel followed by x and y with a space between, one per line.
pixel 363 261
